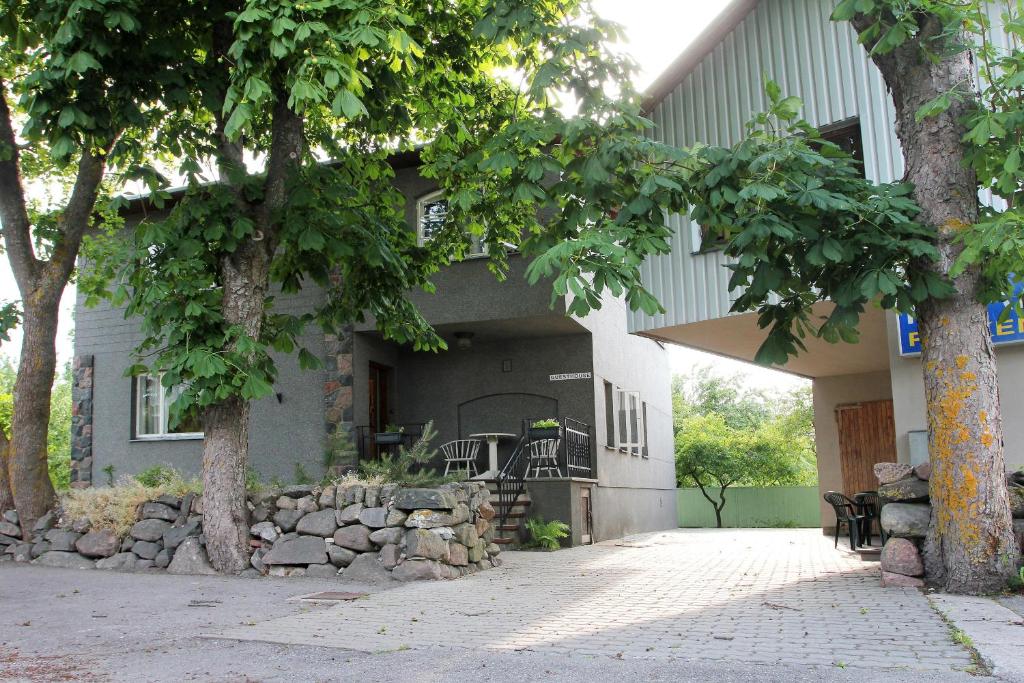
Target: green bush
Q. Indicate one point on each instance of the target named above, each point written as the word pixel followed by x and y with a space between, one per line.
pixel 546 423
pixel 157 475
pixel 409 467
pixel 547 535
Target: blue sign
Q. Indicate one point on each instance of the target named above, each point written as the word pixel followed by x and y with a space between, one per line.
pixel 1008 331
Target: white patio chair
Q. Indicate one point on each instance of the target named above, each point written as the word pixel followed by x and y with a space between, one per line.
pixel 461 453
pixel 544 456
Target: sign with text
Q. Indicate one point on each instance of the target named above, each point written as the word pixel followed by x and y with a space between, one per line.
pixel 570 375
pixel 1008 331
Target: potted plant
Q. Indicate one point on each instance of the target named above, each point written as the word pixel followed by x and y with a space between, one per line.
pixel 549 428
pixel 391 435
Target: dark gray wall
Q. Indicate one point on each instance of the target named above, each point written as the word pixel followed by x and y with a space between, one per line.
pixel 435 385
pixel 281 434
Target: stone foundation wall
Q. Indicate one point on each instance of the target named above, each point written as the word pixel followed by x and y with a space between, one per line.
pixel 906 513
pixel 81 421
pixel 363 533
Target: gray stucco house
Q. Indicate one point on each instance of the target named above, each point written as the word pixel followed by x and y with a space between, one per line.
pixel 511 358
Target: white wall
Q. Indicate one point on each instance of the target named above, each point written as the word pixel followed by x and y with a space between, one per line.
pixel 908 396
pixel 828 393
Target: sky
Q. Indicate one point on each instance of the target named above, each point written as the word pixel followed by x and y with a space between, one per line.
pixel 657 31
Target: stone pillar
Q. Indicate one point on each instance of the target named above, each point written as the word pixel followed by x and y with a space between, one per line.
pixel 338 401
pixel 81 422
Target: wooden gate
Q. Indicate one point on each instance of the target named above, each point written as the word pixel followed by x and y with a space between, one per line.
pixel 867 435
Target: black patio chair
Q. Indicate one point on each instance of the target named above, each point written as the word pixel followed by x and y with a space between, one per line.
pixel 867 505
pixel 846 513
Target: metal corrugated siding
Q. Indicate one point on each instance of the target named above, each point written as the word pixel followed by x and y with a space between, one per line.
pixel 796 44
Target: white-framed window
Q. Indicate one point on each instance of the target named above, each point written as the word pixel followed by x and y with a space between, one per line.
pixel 629 421
pixel 431 215
pixel 152 403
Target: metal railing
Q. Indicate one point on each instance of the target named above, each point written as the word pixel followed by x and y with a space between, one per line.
pixel 575 456
pixel 511 481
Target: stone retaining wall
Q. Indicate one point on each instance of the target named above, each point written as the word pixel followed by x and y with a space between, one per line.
pixel 906 513
pixel 364 533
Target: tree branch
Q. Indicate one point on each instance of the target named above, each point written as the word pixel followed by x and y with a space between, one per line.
pixel 17 229
pixel 287 145
pixel 75 219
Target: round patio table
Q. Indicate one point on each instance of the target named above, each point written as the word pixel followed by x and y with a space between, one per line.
pixel 492 439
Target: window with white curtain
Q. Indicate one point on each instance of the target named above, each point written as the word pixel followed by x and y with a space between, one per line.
pixel 152 411
pixel 629 421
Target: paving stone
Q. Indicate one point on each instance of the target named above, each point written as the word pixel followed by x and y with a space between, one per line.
pixel 765 588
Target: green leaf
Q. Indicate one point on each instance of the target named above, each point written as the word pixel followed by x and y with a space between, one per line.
pixel 82 61
pixel 347 104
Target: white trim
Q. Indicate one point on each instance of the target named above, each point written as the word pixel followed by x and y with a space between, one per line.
pixel 629 418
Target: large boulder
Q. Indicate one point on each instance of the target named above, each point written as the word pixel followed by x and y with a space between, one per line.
pixel 888 472
pixel 386 536
pixel 396 517
pixel 306 504
pixel 159 511
pixel 349 514
pixel 390 555
pixel 45 523
pixel 340 557
pixel 147 550
pixel 428 519
pixel 908 520
pixel 355 537
pixel 421 543
pixel 287 519
pixel 375 517
pixel 265 531
pixel 425 499
pixel 98 543
pixel 467 534
pixel 321 523
pixel 61 540
pixel 120 562
pixel 1018 531
pixel 912 490
pixel 149 530
pixel 901 556
pixel 366 568
pixel 891 580
pixel 298 490
pixel 65 560
pixel 302 550
pixel 923 471
pixel 190 558
pixel 176 534
pixel 458 555
pixel 418 570
pixel 10 529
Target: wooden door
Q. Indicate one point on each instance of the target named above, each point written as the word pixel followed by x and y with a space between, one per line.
pixel 867 435
pixel 377 394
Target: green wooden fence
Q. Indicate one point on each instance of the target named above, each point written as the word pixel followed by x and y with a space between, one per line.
pixel 780 506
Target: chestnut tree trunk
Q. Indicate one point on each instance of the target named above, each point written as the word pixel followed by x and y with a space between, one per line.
pixel 41 283
pixel 970 546
pixel 6 499
pixel 226 424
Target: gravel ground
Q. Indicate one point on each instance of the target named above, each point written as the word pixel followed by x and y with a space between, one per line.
pixel 66 625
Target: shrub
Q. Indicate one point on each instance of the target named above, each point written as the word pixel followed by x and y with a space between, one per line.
pixel 547 535
pixel 409 467
pixel 157 475
pixel 116 507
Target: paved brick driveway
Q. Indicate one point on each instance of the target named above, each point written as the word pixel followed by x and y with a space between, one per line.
pixel 750 596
